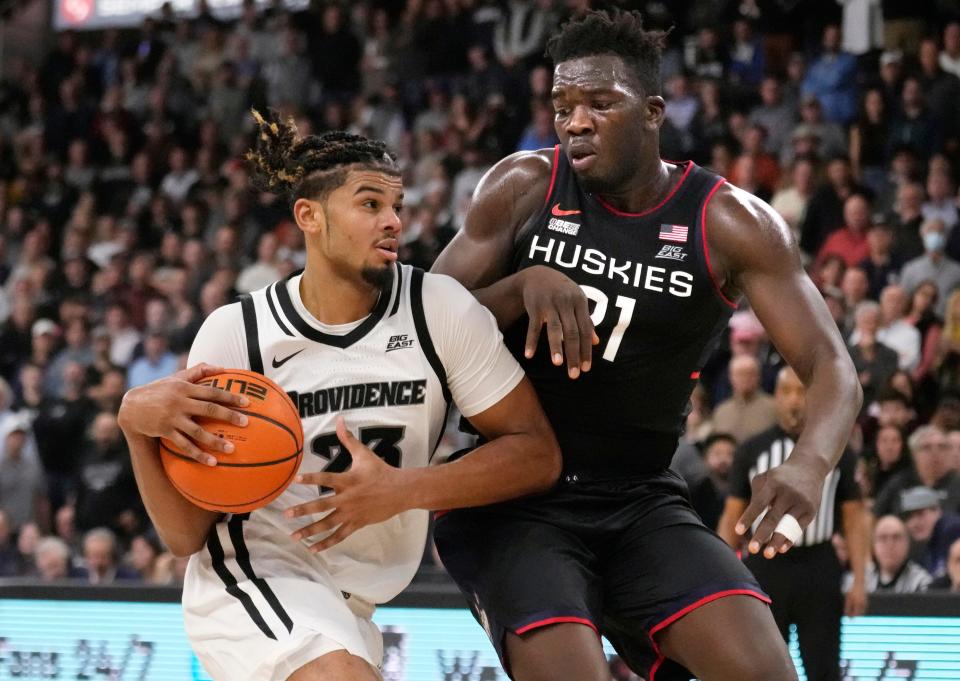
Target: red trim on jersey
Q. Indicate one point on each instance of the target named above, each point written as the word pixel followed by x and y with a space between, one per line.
pixel 553 175
pixel 706 248
pixel 658 206
pixel 694 375
pixel 686 611
pixel 556 620
pixel 439 514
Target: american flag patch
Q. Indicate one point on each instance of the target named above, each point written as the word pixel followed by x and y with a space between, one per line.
pixel 676 233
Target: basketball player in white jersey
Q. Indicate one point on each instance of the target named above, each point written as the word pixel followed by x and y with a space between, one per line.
pixel 372 353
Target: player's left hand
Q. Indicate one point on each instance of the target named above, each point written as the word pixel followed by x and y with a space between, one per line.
pixel 370 492
pixel 794 487
pixel 855 602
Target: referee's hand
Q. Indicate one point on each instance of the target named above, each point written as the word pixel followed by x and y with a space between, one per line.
pixel 794 487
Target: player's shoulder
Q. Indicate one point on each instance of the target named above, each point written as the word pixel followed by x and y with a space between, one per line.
pixel 740 226
pixel 515 186
pixel 225 317
pixel 440 290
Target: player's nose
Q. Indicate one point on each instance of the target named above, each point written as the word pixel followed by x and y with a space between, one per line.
pixel 579 122
pixel 391 222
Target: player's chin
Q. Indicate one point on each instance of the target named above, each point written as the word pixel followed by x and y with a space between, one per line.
pixel 592 179
pixel 379 275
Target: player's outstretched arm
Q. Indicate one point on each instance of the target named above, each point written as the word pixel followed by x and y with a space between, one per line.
pixel 479 258
pixel 753 252
pixel 166 408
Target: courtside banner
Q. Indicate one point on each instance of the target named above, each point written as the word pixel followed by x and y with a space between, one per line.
pixel 95 14
pixel 131 641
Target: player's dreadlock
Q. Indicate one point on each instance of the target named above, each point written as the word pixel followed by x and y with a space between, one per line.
pixel 312 166
pixel 617 32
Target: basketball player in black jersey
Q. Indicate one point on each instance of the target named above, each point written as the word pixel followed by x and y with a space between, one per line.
pixel 633 264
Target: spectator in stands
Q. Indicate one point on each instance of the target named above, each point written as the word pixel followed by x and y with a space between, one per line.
pixel 148 559
pixel 850 242
pixel 106 489
pixel 746 67
pixel 709 493
pixel 825 210
pixel 750 410
pixel 915 127
pixel 52 559
pixel 950 55
pixel 868 141
pixel 874 361
pixel 27 540
pixel 775 115
pixel 892 571
pixel 824 139
pixel 157 361
pixel 791 200
pixel 833 79
pixel 540 134
pixel 77 350
pixel 765 170
pixel 941 89
pixel 930 326
pixel 881 266
pixel 932 467
pixel 100 565
pixel 886 458
pixel 934 265
pixel 265 270
pixel 23 487
pixel 9 562
pixel 932 531
pixel 907 220
pixel 855 286
pixel 951 580
pixel 895 331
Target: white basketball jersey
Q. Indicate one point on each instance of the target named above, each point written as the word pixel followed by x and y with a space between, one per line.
pixel 392 376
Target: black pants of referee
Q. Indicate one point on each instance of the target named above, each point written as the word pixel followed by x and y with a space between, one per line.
pixel 805 585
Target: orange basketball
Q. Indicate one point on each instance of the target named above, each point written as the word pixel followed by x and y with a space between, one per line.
pixel 266 455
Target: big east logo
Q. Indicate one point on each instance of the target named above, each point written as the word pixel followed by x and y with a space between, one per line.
pixel 237 385
pixel 400 342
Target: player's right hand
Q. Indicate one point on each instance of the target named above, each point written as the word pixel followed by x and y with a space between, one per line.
pixel 167 408
pixel 554 300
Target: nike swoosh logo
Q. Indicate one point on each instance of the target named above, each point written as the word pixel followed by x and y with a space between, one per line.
pixel 277 365
pixel 559 212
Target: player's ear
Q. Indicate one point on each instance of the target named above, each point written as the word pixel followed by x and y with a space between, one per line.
pixel 309 215
pixel 654 112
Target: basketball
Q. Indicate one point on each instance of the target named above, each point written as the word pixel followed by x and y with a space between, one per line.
pixel 266 455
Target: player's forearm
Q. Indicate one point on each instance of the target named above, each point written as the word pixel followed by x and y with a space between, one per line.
pixel 182 526
pixel 834 397
pixel 504 299
pixel 507 467
pixel 856 531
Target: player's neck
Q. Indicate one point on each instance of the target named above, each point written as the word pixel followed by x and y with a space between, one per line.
pixel 332 299
pixel 646 189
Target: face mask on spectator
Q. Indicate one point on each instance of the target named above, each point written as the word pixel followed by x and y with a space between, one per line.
pixel 933 242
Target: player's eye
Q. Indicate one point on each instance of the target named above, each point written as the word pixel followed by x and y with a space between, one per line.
pixel 561 111
pixel 602 106
pixel 370 203
pixel 398 208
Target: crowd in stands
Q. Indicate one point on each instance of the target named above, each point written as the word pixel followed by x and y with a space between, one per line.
pixel 127 217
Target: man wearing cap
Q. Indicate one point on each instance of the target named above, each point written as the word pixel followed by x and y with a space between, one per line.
pixel 23 488
pixel 805 584
pixel 932 531
pixel 932 467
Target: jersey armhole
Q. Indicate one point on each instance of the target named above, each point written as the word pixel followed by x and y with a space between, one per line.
pixel 250 331
pixel 553 175
pixel 429 350
pixel 706 247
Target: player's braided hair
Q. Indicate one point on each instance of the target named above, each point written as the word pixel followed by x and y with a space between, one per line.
pixel 616 32
pixel 286 163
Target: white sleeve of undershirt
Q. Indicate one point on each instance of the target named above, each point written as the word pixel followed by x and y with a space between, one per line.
pixel 221 340
pixel 480 370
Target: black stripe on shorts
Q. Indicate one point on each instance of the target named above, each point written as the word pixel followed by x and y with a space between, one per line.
pixel 235 525
pixel 220 567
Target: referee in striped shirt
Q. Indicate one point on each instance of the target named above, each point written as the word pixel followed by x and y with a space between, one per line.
pixel 805 583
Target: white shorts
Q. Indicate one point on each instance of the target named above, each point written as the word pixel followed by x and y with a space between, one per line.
pixel 265 628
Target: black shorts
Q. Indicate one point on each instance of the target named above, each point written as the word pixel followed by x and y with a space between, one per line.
pixel 624 557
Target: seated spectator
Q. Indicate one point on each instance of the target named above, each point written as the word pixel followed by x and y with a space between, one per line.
pixel 540 134
pixel 709 494
pixel 934 265
pixel 825 210
pixel 941 204
pixel 881 265
pixel 750 410
pixel 765 170
pixel 791 201
pixel 915 127
pixel 9 562
pixel 930 326
pixel 833 79
pixel 814 135
pixel 941 89
pixel 932 468
pixel 774 114
pixel 951 580
pixel 896 332
pixel 23 487
pixel 100 558
pixel 855 287
pixel 147 558
pixel 886 458
pixel 891 570
pixel 932 531
pixel 950 54
pixel 264 271
pixel 27 540
pixel 868 141
pixel 52 559
pixel 907 219
pixel 947 361
pixel 850 242
pixel 875 362
pixel 157 361
pixel 106 488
